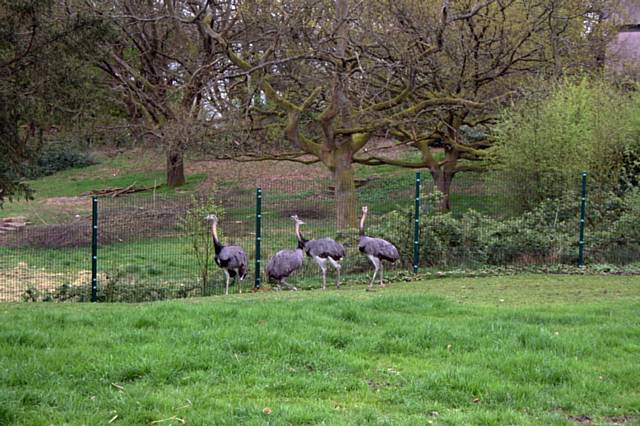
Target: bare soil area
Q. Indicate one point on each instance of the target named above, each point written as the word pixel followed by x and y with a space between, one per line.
pixel 15 282
pixel 266 174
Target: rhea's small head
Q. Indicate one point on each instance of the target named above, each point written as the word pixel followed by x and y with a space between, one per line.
pixel 297 220
pixel 365 209
pixel 212 217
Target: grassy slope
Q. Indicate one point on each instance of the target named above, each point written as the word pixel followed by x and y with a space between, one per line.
pixel 146 169
pixel 507 350
pixel 135 168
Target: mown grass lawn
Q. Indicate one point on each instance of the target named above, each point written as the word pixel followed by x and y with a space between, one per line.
pixel 523 350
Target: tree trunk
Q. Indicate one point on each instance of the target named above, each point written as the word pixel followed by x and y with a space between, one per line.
pixel 443 174
pixel 442 177
pixel 345 189
pixel 175 168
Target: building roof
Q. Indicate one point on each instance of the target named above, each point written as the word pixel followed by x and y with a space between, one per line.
pixel 624 51
pixel 630 15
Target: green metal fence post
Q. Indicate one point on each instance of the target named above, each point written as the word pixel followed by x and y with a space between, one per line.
pixel 258 235
pixel 416 231
pixel 94 249
pixel 583 207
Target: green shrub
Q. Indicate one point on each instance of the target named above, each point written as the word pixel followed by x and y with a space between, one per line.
pixel 547 234
pixel 544 144
pixel 55 158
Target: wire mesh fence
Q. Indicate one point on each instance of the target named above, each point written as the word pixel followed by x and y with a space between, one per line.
pixel 153 247
pixel 45 261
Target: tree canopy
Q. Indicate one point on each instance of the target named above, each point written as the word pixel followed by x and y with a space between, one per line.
pixel 426 75
pixel 44 80
pixel 576 125
pixel 306 80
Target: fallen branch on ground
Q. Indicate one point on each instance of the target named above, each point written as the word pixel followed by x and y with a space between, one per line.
pixel 116 192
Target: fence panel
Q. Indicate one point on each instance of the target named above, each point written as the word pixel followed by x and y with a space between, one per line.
pixel 314 202
pixel 146 253
pixel 46 260
pixel 496 221
pixel 154 246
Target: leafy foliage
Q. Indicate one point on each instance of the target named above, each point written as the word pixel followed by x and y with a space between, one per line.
pixel 12 153
pixel 44 80
pixel 580 125
pixel 55 158
pixel 547 234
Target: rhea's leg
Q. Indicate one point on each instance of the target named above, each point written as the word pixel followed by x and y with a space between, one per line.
pixel 337 266
pixel 289 286
pixel 322 263
pixel 226 286
pixel 238 281
pixel 381 272
pixel 324 277
pixel 376 266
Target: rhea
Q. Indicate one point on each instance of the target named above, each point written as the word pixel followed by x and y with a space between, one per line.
pixel 286 262
pixel 322 250
pixel 376 249
pixel 232 259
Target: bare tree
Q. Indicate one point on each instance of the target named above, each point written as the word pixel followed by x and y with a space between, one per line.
pixel 165 67
pixel 327 70
pixel 487 53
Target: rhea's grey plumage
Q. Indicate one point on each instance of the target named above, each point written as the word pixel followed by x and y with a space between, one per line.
pixel 284 263
pixel 325 248
pixel 232 259
pixel 322 250
pixel 376 249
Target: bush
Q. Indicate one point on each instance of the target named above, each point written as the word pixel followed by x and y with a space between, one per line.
pixel 619 242
pixel 548 234
pixel 544 144
pixel 55 158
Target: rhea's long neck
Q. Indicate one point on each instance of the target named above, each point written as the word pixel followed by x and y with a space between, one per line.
pixel 299 236
pixel 362 219
pixel 214 234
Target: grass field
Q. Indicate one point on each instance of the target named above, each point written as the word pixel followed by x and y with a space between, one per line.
pixel 524 350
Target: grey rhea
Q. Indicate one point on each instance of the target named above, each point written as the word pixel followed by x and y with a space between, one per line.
pixel 376 249
pixel 322 250
pixel 232 259
pixel 285 262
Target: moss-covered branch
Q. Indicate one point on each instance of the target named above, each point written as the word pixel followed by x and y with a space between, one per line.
pixel 296 157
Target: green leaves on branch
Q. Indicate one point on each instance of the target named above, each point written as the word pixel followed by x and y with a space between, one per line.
pixel 579 125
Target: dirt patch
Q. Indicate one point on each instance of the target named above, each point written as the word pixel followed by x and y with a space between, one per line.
pixel 69 202
pixel 266 174
pixel 307 212
pixel 583 420
pixel 618 420
pixel 117 223
pixel 17 281
pixel 75 234
pixel 281 175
